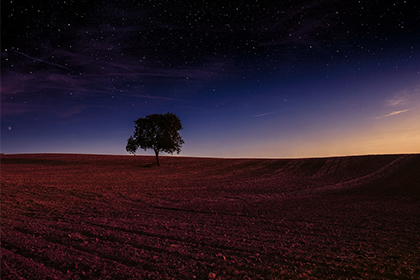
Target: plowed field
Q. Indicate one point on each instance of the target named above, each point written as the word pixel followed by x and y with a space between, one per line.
pixel 120 217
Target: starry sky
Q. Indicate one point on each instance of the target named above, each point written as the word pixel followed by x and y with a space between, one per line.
pixel 247 78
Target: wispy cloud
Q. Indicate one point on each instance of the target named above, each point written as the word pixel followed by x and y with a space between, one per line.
pixel 404 97
pixel 265 114
pixel 393 114
pixel 41 60
pixel 149 96
pixel 396 101
pixel 70 112
pixel 399 99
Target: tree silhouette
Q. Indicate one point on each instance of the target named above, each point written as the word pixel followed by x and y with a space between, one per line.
pixel 131 146
pixel 158 132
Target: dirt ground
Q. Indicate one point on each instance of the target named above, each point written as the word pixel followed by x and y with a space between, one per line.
pixel 120 217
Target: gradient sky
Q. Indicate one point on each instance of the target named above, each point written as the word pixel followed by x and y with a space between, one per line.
pixel 247 78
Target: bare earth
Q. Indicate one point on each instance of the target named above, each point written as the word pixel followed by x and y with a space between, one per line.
pixel 118 217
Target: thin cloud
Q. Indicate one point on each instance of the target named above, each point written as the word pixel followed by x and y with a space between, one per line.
pixel 42 60
pixel 392 114
pixel 149 96
pixel 399 99
pixel 396 101
pixel 404 97
pixel 265 114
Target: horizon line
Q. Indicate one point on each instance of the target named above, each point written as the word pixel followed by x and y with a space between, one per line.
pixel 214 157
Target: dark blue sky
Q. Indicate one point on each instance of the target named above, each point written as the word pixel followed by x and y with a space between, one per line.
pixel 247 78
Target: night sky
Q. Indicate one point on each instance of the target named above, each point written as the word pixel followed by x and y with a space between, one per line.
pixel 247 78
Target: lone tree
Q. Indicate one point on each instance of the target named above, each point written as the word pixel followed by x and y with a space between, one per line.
pixel 158 132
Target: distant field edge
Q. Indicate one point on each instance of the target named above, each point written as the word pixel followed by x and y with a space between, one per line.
pixel 201 157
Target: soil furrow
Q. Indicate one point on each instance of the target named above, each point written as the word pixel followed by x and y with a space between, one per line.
pixel 108 217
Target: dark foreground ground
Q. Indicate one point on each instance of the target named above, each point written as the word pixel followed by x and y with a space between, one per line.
pixel 118 217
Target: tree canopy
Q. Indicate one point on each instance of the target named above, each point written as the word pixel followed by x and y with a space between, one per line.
pixel 158 132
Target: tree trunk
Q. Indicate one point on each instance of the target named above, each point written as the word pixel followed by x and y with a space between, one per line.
pixel 157 157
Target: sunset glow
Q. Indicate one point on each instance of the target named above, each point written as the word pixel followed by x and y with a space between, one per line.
pixel 313 79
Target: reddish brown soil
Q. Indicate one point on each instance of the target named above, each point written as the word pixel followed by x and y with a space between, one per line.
pixel 118 217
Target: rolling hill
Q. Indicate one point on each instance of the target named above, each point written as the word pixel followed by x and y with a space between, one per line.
pixel 69 216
